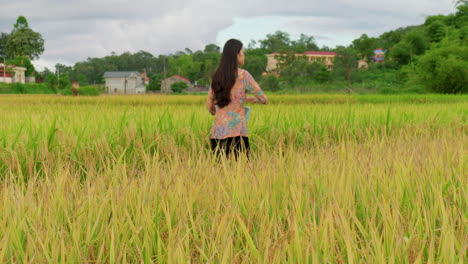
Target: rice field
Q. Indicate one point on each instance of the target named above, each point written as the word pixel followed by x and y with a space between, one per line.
pixel 331 179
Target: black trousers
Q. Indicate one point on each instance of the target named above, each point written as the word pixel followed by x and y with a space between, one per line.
pixel 231 145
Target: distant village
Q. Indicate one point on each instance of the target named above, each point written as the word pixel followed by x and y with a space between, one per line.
pixel 134 82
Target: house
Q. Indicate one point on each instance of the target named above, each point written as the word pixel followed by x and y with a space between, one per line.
pixel 145 78
pixel 5 76
pixel 379 55
pixel 325 57
pixel 166 83
pixel 18 75
pixel 129 82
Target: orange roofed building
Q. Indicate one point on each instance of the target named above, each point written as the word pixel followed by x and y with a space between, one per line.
pixel 324 57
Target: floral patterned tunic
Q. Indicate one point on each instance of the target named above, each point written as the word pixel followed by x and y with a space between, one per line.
pixel 230 121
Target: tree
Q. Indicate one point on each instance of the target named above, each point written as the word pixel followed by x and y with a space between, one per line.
pixel 295 72
pixel 252 45
pixel 64 81
pixel 414 43
pixel 46 72
pixel 82 80
pixel 461 3
pixel 155 82
pixel 23 41
pixel 62 69
pixel 255 63
pixel 178 87
pixel 444 69
pixel 322 75
pixel 23 62
pixel 3 42
pixel 436 31
pixel 21 23
pixel 345 62
pixel 270 83
pixel 52 82
pixel 461 17
pixel 211 48
pixel 401 53
pixel 277 42
pixel 364 46
pixel 304 43
pixel 389 39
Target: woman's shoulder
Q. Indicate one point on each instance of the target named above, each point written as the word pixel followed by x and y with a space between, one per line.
pixel 243 73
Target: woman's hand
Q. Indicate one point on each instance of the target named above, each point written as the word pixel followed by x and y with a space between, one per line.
pixel 212 110
pixel 252 100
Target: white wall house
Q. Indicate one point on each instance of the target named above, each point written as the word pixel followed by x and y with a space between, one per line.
pixel 17 77
pixel 124 83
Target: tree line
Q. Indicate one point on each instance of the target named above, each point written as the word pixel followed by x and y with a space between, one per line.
pixel 429 57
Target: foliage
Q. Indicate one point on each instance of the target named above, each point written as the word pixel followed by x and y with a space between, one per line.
pixel 322 75
pixel 304 43
pixel 436 31
pixel 84 91
pixel 364 46
pixel 82 80
pixel 255 63
pixel 155 82
pixel 3 42
pixel 276 42
pixel 88 90
pixel 64 81
pixel 444 69
pixel 270 83
pixel 28 88
pixel 23 61
pixel 23 41
pixel 178 87
pixel 413 43
pixel 389 39
pixel 295 72
pixel 345 63
pixel 52 82
pixel 61 69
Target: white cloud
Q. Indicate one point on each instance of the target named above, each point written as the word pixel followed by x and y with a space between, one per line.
pixel 76 30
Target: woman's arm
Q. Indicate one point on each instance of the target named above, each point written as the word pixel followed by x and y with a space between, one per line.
pixel 254 88
pixel 210 103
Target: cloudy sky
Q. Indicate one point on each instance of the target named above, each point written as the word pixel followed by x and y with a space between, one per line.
pixel 76 30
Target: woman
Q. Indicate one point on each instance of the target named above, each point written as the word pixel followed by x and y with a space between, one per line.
pixel 226 100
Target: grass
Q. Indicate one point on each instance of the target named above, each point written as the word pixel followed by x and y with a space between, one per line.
pixel 332 179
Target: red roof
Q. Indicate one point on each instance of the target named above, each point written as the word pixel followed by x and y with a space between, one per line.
pixel 180 77
pixel 330 53
pixel 145 77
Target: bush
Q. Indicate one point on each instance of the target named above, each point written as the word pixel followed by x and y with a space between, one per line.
pixel 155 82
pixel 28 88
pixel 88 90
pixel 322 75
pixel 444 70
pixel 270 83
pixel 66 92
pixel 52 81
pixel 85 91
pixel 179 87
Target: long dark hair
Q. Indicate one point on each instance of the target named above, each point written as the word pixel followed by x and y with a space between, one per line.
pixel 225 76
